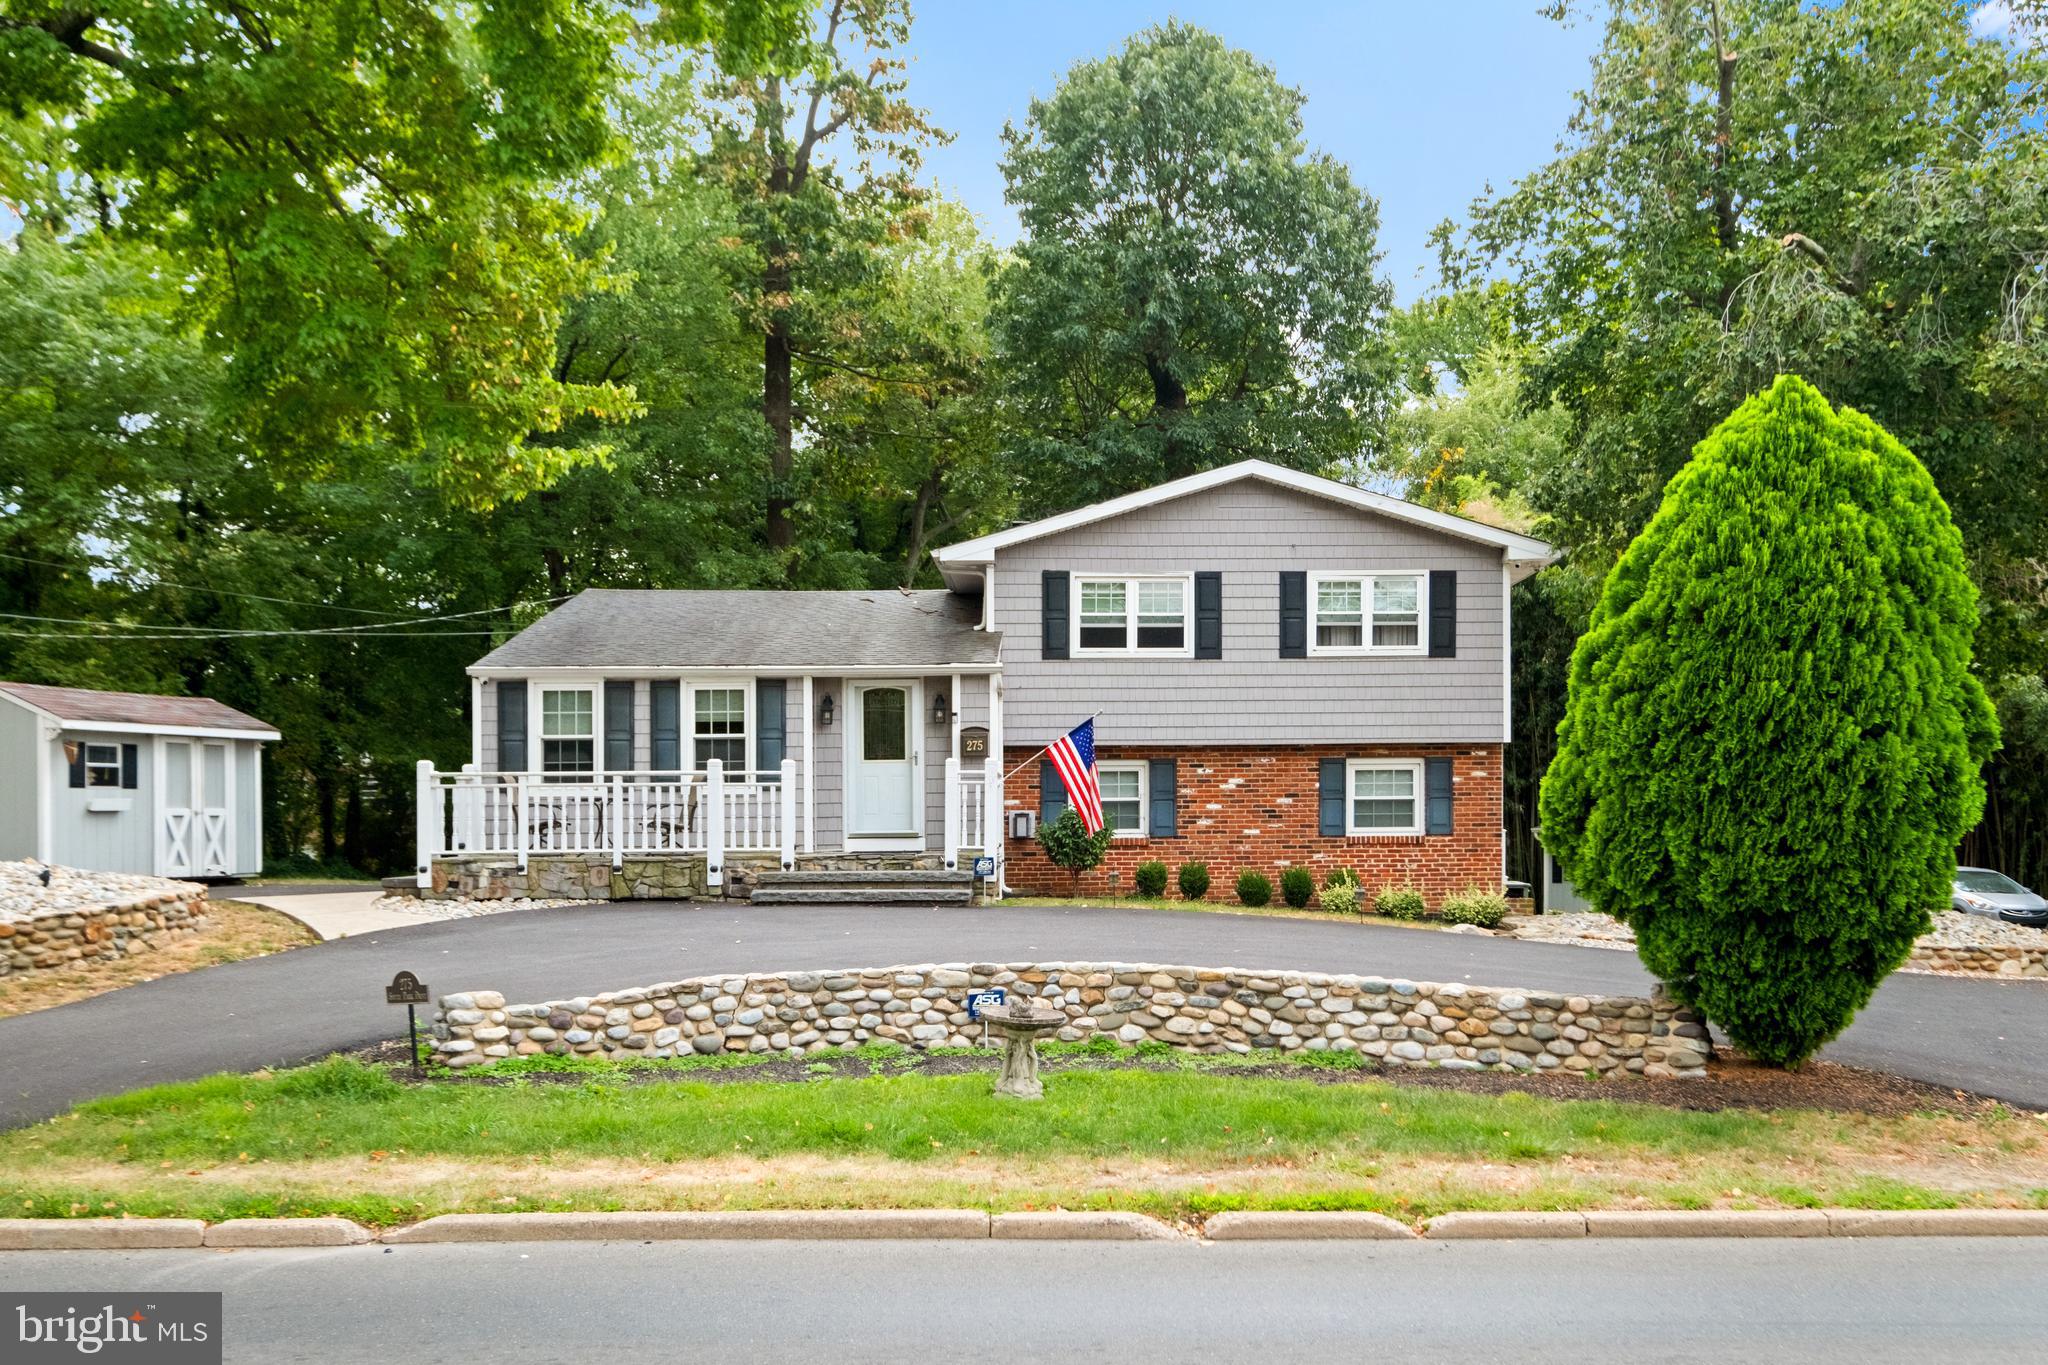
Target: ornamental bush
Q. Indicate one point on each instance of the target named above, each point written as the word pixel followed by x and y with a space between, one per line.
pixel 1069 844
pixel 1254 888
pixel 1339 898
pixel 1771 740
pixel 1193 880
pixel 1297 884
pixel 1473 906
pixel 1151 879
pixel 1399 902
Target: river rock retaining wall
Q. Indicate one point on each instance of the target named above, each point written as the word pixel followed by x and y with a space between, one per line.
pixel 65 938
pixel 1202 1009
pixel 1979 960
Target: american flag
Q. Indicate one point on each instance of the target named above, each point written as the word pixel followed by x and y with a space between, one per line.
pixel 1074 755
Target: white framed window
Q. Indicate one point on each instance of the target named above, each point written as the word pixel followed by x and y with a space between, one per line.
pixel 1123 797
pixel 719 726
pixel 102 765
pixel 1383 796
pixel 568 731
pixel 1133 615
pixel 1368 613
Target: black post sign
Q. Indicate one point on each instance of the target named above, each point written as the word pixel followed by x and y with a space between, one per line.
pixel 408 990
pixel 974 742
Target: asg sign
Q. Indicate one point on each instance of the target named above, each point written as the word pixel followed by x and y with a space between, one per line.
pixel 166 1329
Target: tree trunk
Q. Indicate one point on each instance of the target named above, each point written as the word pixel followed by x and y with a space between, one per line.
pixel 777 409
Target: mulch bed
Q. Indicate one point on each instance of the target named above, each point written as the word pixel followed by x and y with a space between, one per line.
pixel 1730 1083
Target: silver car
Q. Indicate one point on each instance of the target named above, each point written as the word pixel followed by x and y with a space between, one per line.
pixel 1980 891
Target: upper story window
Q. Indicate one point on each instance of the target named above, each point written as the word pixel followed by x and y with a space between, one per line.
pixel 568 730
pixel 1367 613
pixel 721 726
pixel 1123 797
pixel 1131 615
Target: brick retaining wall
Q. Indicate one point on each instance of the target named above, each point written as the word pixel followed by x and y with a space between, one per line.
pixel 99 933
pixel 1202 1009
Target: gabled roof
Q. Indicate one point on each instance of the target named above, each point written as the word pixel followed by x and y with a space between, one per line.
pixel 809 632
pixel 81 707
pixel 1524 554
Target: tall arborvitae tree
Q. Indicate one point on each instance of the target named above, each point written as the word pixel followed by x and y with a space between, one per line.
pixel 1772 739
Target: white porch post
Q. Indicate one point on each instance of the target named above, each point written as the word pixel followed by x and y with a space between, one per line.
pixel 952 820
pixel 519 818
pixel 426 825
pixel 810 770
pixel 992 807
pixel 714 823
pixel 614 817
pixel 786 826
pixel 469 823
pixel 999 807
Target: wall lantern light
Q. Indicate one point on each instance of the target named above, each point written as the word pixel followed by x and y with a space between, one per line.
pixel 825 711
pixel 940 714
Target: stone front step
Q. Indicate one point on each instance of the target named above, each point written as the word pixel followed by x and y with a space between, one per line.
pixel 877 877
pixel 894 894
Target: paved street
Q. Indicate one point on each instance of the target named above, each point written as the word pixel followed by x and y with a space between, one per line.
pixel 1884 1300
pixel 1983 1035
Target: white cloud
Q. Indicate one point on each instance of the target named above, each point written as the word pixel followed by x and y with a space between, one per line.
pixel 1995 19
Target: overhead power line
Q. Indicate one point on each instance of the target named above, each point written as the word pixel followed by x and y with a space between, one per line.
pixel 217 592
pixel 139 630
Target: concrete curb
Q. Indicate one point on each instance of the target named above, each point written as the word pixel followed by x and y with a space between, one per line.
pixel 1334 1226
pixel 287 1232
pixel 99 1234
pixel 1707 1223
pixel 1938 1222
pixel 1062 1226
pixel 750 1225
pixel 1503 1226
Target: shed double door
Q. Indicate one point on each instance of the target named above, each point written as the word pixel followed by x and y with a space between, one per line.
pixel 197 834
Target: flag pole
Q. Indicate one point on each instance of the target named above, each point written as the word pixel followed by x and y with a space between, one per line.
pixel 1028 762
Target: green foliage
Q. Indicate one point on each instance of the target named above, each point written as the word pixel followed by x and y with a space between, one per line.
pixel 1772 739
pixel 1297 884
pixel 1150 878
pixel 1474 906
pixel 1342 876
pixel 1253 888
pixel 1193 285
pixel 1069 844
pixel 1399 902
pixel 1339 897
pixel 1193 880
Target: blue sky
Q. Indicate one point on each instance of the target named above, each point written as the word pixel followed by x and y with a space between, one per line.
pixel 1427 103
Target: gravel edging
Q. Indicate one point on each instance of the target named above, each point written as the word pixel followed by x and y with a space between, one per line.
pixel 126 1234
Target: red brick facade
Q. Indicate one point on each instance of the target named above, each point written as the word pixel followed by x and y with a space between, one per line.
pixel 1256 807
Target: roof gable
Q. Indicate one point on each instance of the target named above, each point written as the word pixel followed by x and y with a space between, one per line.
pixel 960 563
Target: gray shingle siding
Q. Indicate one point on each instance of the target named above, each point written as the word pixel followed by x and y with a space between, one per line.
pixel 1250 531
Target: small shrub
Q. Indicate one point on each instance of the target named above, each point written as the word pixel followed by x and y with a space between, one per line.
pixel 1193 880
pixel 1342 876
pixel 1297 884
pixel 1069 844
pixel 1254 888
pixel 1474 906
pixel 1339 898
pixel 1399 902
pixel 1151 879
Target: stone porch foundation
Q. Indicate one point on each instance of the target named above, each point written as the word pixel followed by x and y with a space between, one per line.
pixel 591 877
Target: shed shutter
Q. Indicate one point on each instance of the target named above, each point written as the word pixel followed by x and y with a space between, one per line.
pixel 665 725
pixel 1054 588
pixel 1443 613
pixel 76 750
pixel 512 727
pixel 618 727
pixel 1052 793
pixel 1330 798
pixel 1208 616
pixel 771 725
pixel 1436 786
pixel 1293 614
pixel 130 754
pixel 1164 780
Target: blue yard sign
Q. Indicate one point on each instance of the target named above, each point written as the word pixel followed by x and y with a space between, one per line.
pixel 984 868
pixel 984 1000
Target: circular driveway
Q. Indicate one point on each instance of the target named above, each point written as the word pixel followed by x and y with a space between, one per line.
pixel 1986 1036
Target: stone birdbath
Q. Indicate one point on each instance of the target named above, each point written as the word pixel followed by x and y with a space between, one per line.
pixel 1021 1022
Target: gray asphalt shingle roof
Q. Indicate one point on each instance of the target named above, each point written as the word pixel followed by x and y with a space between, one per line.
pixel 808 631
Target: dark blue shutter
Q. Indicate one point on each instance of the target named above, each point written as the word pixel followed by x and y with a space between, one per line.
pixel 1208 616
pixel 1436 785
pixel 1443 613
pixel 1293 614
pixel 77 763
pixel 771 725
pixel 1054 588
pixel 665 726
pixel 1163 780
pixel 129 756
pixel 618 727
pixel 512 727
pixel 1330 798
pixel 1052 793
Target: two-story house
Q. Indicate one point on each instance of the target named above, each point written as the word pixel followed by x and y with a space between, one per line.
pixel 1283 669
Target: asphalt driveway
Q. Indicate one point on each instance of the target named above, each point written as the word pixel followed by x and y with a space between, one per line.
pixel 1986 1036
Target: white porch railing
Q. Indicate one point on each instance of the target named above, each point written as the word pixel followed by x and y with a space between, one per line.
pixel 974 809
pixel 514 815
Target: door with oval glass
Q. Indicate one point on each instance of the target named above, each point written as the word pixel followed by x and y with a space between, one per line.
pixel 883 766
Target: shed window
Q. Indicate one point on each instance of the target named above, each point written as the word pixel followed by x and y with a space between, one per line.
pixel 102 765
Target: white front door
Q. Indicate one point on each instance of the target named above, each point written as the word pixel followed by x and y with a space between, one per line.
pixel 198 828
pixel 180 839
pixel 882 787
